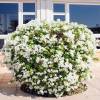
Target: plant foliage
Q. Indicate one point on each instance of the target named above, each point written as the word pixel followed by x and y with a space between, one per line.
pixel 53 58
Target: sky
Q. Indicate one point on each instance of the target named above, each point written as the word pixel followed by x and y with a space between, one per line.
pixel 88 15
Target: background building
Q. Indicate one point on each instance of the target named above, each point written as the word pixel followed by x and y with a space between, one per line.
pixel 18 12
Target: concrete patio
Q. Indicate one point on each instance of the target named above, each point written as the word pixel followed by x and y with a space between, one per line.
pixel 9 91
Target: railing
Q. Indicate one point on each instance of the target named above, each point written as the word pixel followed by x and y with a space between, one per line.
pixel 97 35
pixel 3 36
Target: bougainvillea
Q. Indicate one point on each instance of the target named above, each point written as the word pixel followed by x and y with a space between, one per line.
pixel 52 58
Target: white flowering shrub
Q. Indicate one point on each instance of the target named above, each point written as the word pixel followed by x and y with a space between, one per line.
pixel 52 58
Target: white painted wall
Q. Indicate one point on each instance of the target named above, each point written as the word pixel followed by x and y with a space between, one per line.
pixel 80 1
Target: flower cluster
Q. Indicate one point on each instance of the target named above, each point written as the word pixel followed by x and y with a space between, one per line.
pixel 51 57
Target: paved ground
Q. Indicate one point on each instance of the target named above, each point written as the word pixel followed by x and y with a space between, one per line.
pixel 10 92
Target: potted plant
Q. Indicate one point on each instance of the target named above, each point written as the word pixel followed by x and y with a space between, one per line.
pixel 51 59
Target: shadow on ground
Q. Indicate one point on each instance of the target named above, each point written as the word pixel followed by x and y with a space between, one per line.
pixel 11 90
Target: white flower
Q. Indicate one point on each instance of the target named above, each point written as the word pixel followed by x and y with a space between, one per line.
pixel 69 34
pixel 72 77
pixel 65 46
pixel 82 36
pixel 25 38
pixel 65 27
pixel 59 53
pixel 56 59
pixel 50 91
pixel 53 39
pixel 45 38
pixel 37 48
pixel 30 87
pixel 41 92
pixel 44 62
pixel 58 94
pixel 61 63
pixel 51 80
pixel 38 82
pixel 38 59
pixel 68 65
pixel 48 70
pixel 80 43
pixel 68 88
pixel 72 52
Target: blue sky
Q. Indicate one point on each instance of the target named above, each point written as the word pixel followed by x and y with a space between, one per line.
pixel 89 15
